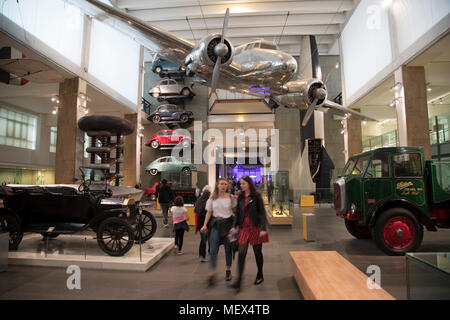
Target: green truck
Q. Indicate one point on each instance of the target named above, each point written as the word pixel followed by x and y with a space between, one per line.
pixel 390 194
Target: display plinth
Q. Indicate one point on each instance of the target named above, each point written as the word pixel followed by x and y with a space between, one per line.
pixel 69 250
pixel 4 244
pixel 282 219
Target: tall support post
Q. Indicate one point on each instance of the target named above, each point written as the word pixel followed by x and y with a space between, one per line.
pixel 70 139
pixel 412 108
pixel 130 154
pixel 352 136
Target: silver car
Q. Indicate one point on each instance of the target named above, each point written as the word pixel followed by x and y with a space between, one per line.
pixel 170 87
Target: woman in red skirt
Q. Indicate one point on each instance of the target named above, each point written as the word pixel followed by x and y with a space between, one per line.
pixel 250 223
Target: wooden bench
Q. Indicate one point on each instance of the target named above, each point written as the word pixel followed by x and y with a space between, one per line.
pixel 326 275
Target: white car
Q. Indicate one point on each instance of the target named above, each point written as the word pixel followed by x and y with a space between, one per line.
pixel 170 87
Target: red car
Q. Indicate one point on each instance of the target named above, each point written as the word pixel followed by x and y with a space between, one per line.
pixel 151 192
pixel 169 139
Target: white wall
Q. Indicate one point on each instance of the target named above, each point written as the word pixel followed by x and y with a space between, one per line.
pixel 378 39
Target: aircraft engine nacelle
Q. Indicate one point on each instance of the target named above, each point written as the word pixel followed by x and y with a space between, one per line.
pixel 302 93
pixel 205 54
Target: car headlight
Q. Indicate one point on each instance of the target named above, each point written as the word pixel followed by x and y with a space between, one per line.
pixel 353 208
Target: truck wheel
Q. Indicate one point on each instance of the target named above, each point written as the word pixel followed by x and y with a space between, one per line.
pixel 115 236
pixel 9 223
pixel 359 232
pixel 397 231
pixel 147 222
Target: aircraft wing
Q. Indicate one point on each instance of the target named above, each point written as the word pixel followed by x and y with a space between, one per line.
pixel 32 70
pixel 337 107
pixel 168 45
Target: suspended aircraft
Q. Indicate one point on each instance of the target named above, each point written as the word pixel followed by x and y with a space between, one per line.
pixel 257 68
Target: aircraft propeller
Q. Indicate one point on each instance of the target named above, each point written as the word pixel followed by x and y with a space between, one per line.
pixel 220 50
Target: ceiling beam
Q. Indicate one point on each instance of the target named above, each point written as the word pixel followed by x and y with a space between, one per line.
pixel 218 10
pixel 258 32
pixel 251 21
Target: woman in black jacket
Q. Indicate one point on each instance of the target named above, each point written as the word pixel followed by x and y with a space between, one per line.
pixel 200 211
pixel 250 223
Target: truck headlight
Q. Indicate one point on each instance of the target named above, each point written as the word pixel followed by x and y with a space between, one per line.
pixel 353 208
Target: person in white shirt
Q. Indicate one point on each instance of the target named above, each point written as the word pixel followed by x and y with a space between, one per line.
pixel 180 217
pixel 220 212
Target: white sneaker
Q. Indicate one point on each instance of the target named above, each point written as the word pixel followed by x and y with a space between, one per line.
pixel 166 225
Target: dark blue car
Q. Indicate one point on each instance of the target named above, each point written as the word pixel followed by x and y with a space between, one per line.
pixel 170 112
pixel 160 65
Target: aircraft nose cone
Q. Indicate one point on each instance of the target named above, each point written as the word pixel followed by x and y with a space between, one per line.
pixel 221 50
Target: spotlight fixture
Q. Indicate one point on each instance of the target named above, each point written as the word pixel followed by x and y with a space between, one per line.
pixel 364 122
pixel 343 131
pixel 397 86
pixel 337 65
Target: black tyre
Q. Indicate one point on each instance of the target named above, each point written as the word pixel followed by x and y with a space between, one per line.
pixel 155 144
pixel 359 232
pixel 50 235
pixel 153 172
pixel 185 92
pixel 156 118
pixel 184 118
pixel 186 170
pixel 397 231
pixel 115 236
pixel 9 223
pixel 147 224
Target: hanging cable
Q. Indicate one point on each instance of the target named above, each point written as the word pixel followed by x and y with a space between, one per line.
pixel 282 31
pixel 204 20
pixel 193 37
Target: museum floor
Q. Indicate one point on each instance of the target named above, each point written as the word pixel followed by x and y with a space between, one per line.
pixel 184 277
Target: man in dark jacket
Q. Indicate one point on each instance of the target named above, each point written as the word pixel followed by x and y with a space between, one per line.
pixel 200 211
pixel 165 198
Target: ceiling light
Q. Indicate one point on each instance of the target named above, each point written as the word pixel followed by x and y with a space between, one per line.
pixel 337 65
pixel 343 131
pixel 364 122
pixel 386 3
pixel 440 101
pixel 429 89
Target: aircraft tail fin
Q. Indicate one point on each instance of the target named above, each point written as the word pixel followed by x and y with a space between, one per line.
pixel 309 66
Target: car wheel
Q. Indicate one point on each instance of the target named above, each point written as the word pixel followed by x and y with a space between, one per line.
pixel 359 232
pixel 158 70
pixel 115 236
pixel 147 224
pixel 156 118
pixel 186 170
pixel 397 231
pixel 10 224
pixel 185 92
pixel 184 118
pixel 50 235
pixel 153 172
pixel 154 144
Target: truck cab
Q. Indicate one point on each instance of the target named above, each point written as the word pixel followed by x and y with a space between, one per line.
pixel 389 194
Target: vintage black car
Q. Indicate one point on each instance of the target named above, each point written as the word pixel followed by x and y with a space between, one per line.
pixel 170 112
pixel 65 209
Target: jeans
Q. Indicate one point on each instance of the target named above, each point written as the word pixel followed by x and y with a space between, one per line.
pixel 165 212
pixel 214 249
pixel 179 238
pixel 202 246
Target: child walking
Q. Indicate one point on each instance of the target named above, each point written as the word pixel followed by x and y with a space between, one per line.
pixel 180 217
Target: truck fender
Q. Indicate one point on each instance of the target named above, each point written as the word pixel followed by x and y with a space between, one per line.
pixel 10 212
pixel 401 203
